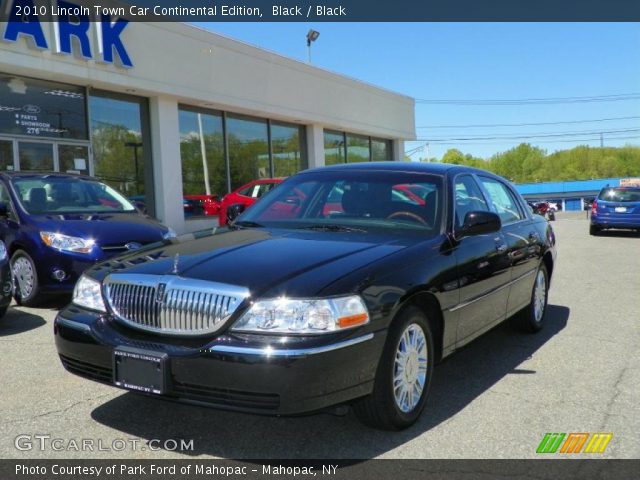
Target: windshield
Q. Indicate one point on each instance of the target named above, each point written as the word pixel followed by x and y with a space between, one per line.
pixel 620 195
pixel 352 201
pixel 57 194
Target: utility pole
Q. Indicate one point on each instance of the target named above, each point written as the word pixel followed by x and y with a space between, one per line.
pixel 601 140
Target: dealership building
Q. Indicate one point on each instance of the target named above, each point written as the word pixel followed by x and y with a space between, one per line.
pixel 163 110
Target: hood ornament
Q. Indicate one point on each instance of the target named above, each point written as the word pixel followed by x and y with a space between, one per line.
pixel 176 260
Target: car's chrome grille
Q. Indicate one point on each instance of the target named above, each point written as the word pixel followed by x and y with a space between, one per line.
pixel 171 305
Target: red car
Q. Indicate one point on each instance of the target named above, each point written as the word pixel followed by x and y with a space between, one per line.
pixel 247 194
pixel 201 205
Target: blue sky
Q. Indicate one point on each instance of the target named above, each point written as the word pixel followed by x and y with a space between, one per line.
pixel 479 61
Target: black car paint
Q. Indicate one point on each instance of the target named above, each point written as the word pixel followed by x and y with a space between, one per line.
pixel 475 281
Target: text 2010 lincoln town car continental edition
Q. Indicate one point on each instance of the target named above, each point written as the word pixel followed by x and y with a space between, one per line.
pixel 338 286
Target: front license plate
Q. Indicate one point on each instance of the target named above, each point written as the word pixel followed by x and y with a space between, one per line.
pixel 140 370
pixel 621 209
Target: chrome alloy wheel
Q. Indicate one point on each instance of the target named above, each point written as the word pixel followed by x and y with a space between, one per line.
pixel 410 368
pixel 539 296
pixel 24 274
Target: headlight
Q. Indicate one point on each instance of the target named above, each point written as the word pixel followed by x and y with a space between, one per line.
pixel 87 294
pixel 289 316
pixel 3 251
pixel 171 233
pixel 67 243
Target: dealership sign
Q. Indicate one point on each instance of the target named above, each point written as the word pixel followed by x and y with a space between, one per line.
pixel 71 22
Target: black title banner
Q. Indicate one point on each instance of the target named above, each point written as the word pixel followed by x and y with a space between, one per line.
pixel 327 10
pixel 318 469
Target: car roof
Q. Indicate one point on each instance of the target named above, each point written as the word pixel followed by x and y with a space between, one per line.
pixel 401 166
pixel 21 174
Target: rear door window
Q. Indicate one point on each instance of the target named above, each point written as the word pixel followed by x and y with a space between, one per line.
pixel 503 201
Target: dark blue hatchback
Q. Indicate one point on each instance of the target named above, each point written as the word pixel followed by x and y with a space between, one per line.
pixel 56 225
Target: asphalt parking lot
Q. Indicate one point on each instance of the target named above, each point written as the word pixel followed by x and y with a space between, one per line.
pixel 494 399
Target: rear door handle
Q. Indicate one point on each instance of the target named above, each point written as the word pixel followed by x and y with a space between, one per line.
pixel 534 237
pixel 501 247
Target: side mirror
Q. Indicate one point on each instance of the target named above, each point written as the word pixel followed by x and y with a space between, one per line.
pixel 234 211
pixel 4 210
pixel 479 223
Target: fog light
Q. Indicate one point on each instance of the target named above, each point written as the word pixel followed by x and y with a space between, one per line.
pixel 59 275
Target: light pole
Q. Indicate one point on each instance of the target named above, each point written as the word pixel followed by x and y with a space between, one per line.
pixel 312 36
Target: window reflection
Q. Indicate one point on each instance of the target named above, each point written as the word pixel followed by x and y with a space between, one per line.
pixel 118 146
pixel 35 156
pixel 357 148
pixel 380 150
pixel 248 150
pixel 289 156
pixel 334 148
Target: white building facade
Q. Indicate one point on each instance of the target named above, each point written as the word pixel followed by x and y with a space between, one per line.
pixel 164 110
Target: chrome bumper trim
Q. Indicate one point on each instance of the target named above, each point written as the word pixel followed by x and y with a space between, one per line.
pixel 298 352
pixel 83 327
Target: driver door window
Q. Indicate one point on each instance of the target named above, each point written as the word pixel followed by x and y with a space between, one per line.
pixel 468 198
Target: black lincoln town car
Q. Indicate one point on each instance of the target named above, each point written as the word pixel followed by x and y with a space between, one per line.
pixel 345 284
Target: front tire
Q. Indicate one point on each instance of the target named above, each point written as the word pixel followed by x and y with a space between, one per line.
pixel 404 374
pixel 25 278
pixel 531 319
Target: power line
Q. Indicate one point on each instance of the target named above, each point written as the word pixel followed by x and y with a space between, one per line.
pixel 480 125
pixel 533 101
pixel 575 140
pixel 498 136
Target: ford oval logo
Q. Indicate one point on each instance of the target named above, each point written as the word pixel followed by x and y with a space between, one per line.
pixel 132 246
pixel 32 109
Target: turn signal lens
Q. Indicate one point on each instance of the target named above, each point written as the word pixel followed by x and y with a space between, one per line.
pixel 353 320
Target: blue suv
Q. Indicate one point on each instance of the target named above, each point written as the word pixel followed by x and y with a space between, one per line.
pixel 56 225
pixel 616 207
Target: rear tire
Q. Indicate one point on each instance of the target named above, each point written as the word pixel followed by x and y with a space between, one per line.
pixel 25 278
pixel 593 230
pixel 404 374
pixel 531 319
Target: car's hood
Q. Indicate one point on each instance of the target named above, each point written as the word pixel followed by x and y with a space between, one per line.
pixel 104 228
pixel 268 262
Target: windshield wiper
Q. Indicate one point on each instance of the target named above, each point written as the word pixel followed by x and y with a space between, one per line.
pixel 247 223
pixel 333 228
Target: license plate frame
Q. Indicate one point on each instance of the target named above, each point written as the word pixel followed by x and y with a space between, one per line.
pixel 621 209
pixel 140 370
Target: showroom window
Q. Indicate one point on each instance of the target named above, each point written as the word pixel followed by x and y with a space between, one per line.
pixel 288 149
pixel 358 149
pixel 334 148
pixel 381 150
pixel 43 109
pixel 341 147
pixel 204 173
pixel 248 144
pixel 221 151
pixel 120 141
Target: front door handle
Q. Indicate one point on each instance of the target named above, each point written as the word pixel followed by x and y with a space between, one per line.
pixel 533 236
pixel 501 247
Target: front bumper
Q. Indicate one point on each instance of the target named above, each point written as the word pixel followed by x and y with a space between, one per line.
pixel 231 372
pixel 48 261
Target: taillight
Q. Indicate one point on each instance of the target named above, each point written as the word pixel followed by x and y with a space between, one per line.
pixel 594 207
